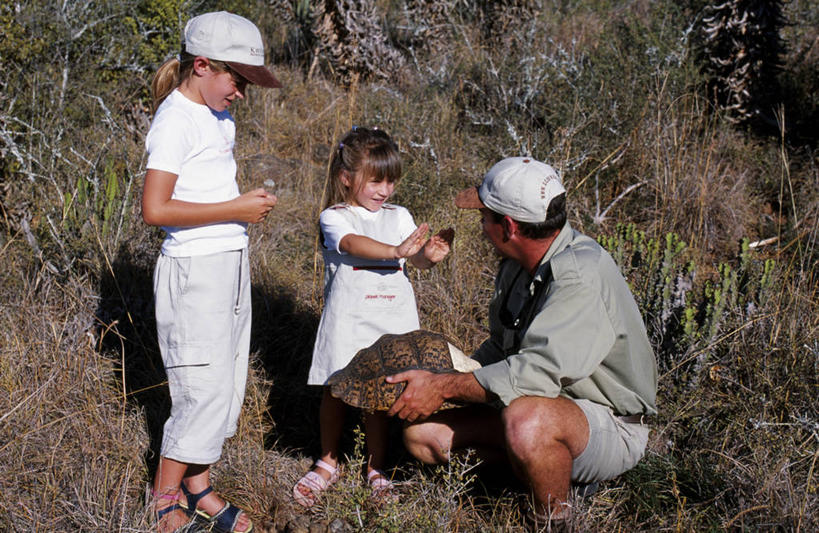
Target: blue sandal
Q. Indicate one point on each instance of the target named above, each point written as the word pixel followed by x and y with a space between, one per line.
pixel 225 520
pixel 192 500
pixel 171 508
pixel 222 522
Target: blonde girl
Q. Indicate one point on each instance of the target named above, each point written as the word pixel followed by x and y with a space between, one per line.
pixel 366 242
pixel 201 280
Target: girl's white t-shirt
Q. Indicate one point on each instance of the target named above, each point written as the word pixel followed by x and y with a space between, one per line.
pixel 196 143
pixel 335 225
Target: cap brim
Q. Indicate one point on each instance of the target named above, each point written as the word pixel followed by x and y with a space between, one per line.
pixel 256 74
pixel 469 199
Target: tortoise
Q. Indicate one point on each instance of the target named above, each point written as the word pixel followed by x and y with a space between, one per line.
pixel 362 382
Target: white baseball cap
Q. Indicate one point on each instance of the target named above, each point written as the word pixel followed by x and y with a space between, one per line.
pixel 520 187
pixel 230 38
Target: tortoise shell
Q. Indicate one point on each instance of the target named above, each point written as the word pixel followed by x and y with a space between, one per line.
pixel 362 382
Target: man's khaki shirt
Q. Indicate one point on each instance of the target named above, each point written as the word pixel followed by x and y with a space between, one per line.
pixel 584 337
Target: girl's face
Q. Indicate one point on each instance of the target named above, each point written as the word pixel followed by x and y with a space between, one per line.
pixel 218 89
pixel 367 192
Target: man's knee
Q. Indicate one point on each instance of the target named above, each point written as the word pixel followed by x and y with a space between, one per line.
pixel 532 422
pixel 427 442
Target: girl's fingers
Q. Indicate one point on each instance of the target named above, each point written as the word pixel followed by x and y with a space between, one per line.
pixel 414 242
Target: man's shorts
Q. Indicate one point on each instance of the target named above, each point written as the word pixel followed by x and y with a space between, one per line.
pixel 614 445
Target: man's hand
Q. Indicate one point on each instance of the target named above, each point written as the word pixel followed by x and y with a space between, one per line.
pixel 422 396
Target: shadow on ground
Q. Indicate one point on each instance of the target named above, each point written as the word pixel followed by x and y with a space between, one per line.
pixel 283 332
pixel 282 339
pixel 127 332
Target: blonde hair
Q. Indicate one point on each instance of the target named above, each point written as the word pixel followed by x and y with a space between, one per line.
pixel 173 72
pixel 363 153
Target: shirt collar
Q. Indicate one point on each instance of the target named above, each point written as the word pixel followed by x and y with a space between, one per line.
pixel 561 241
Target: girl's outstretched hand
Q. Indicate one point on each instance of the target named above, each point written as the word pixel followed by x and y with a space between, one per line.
pixel 438 245
pixel 413 243
pixel 253 206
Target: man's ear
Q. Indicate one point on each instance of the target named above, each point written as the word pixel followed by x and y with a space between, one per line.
pixel 510 227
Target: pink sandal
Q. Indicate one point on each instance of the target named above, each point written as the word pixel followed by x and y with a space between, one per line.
pixel 383 489
pixel 175 506
pixel 314 483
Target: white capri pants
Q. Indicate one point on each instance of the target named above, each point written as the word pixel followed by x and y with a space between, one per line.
pixel 203 325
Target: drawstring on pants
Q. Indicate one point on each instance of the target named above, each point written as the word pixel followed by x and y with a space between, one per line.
pixel 237 307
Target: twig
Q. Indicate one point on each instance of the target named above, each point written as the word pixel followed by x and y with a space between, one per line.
pixel 30 238
pixel 598 219
pixel 729 458
pixel 744 512
pixel 712 344
pixel 616 152
pixel 27 398
pixel 763 242
pixel 321 113
pixel 805 501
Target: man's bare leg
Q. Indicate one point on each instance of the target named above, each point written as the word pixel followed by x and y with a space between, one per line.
pixel 539 436
pixel 543 437
pixel 474 426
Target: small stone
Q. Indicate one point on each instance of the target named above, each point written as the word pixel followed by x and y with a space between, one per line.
pixel 299 524
pixel 339 526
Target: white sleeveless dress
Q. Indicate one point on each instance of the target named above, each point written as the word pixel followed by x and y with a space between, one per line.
pixel 363 298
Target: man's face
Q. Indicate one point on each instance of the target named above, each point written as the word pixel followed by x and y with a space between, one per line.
pixel 493 230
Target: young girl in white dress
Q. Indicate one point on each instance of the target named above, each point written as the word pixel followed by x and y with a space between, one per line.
pixel 365 243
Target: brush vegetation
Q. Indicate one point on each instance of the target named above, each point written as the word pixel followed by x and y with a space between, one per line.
pixel 713 220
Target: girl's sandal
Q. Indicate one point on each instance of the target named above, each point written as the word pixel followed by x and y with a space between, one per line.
pixel 224 521
pixel 314 483
pixel 383 490
pixel 176 506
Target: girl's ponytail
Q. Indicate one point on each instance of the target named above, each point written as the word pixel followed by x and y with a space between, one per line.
pixel 165 80
pixel 172 72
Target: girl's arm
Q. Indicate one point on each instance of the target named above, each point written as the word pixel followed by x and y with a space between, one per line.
pixel 367 248
pixel 158 209
pixel 434 251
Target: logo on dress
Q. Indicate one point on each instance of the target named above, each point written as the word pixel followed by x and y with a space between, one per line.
pixel 382 297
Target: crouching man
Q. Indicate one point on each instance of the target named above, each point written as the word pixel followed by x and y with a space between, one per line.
pixel 568 373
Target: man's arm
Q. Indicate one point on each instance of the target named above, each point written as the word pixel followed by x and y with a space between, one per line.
pixel 426 391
